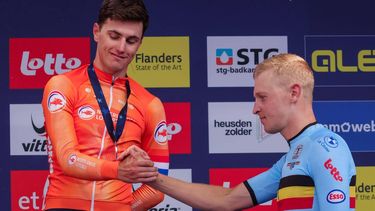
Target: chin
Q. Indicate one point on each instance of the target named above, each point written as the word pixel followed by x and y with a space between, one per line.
pixel 271 130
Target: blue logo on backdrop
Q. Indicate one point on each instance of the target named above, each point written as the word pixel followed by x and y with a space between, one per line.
pixel 352 120
pixel 341 60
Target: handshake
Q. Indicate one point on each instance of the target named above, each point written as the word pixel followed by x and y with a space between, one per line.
pixel 136 166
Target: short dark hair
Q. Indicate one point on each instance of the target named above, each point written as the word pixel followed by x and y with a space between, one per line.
pixel 123 10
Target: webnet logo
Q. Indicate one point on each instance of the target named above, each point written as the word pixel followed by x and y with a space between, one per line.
pixel 178 127
pixel 27 189
pixel 32 61
pixel 231 177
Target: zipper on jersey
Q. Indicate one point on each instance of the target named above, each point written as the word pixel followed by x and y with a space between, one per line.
pixel 103 139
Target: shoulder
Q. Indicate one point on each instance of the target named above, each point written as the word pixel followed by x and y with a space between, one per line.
pixel 327 142
pixel 140 93
pixel 74 78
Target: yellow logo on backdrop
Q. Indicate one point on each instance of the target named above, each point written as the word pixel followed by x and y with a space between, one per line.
pixel 162 62
pixel 365 188
pixel 332 61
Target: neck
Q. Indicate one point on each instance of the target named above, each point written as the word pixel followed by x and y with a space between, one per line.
pixel 295 125
pixel 114 73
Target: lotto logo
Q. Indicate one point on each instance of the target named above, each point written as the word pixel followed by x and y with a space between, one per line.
pixel 334 172
pixel 33 61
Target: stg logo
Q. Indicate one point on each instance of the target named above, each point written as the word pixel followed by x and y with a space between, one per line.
pixel 29 66
pixel 32 61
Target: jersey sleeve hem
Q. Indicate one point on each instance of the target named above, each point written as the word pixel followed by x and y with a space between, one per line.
pixel 251 191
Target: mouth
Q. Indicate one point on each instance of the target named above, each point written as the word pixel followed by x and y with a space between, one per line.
pixel 117 56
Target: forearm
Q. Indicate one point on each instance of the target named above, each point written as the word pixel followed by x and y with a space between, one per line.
pixel 201 196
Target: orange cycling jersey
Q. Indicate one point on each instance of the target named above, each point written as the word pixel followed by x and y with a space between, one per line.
pixel 81 154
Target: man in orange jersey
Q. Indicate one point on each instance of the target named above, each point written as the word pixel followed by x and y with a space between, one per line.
pixel 96 112
pixel 316 174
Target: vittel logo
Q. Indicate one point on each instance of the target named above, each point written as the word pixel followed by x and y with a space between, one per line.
pixel 51 64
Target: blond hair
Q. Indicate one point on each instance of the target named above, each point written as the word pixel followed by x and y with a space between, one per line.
pixel 289 69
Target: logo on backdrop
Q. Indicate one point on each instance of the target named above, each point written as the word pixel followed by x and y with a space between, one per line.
pixel 33 61
pixel 365 191
pixel 231 60
pixel 353 120
pixel 179 127
pixel 162 62
pixel 230 177
pixel 336 63
pixel 29 119
pixel 239 131
pixel 27 189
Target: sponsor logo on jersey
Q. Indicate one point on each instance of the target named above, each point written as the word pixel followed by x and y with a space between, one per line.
pixel 86 112
pixel 292 164
pixel 333 170
pixel 32 61
pixel 72 159
pixel 336 196
pixel 161 133
pixel 56 101
pixel 331 142
pixel 297 152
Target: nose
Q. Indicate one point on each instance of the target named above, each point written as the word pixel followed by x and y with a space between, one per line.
pixel 121 46
pixel 255 108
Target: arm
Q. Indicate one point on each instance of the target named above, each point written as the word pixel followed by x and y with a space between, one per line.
pixel 252 192
pixel 203 196
pixel 155 144
pixel 333 172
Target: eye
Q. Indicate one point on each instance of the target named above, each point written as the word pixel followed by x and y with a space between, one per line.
pixel 132 40
pixel 262 98
pixel 114 36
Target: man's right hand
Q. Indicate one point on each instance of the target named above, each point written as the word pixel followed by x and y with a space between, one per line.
pixel 136 167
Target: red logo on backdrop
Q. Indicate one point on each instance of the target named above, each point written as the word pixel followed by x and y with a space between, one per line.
pixel 27 189
pixel 178 127
pixel 231 177
pixel 32 61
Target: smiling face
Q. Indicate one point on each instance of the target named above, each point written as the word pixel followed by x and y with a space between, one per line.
pixel 117 43
pixel 272 103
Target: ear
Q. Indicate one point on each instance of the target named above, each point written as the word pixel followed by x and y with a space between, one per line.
pixel 295 92
pixel 95 31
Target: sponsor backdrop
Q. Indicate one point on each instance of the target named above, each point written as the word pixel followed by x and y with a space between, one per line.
pixel 198 57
